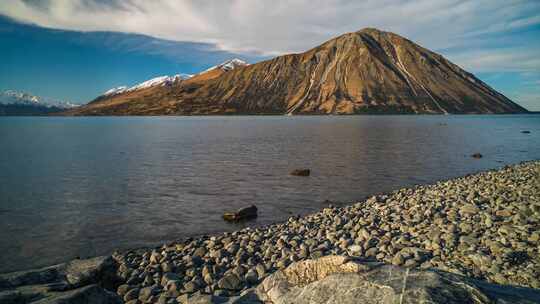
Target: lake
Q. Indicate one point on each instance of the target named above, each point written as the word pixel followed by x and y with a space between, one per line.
pixel 86 186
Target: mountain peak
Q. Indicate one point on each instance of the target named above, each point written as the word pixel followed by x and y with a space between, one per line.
pixel 370 30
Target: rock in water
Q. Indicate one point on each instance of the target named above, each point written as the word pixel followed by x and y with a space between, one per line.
pixel 241 214
pixel 301 172
pixel 247 212
pixel 337 279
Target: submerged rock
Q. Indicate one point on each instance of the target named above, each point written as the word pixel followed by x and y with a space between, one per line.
pixel 477 155
pixel 301 172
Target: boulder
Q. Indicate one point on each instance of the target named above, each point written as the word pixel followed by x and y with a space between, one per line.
pixel 301 172
pixel 241 214
pixel 338 279
pixel 230 282
pixel 79 281
pixel 91 294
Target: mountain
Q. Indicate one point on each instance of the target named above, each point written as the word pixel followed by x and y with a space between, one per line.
pixel 164 81
pixel 19 103
pixel 369 71
pixel 151 97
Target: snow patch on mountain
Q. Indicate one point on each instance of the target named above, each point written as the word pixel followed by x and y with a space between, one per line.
pixel 161 80
pixel 168 80
pixel 114 91
pixel 229 65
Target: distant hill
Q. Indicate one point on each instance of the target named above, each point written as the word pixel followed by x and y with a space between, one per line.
pixel 369 71
pixel 14 103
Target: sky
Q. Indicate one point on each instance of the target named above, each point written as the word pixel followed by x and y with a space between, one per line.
pixel 74 50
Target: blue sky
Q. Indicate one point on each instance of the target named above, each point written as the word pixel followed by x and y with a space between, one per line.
pixel 75 50
pixel 78 66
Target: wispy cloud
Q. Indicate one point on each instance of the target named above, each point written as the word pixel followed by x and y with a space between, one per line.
pixel 478 29
pixel 502 60
pixel 279 25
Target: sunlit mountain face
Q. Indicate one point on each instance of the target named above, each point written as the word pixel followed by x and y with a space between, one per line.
pixel 368 71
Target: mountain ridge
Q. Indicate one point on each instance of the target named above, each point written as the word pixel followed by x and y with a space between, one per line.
pixel 368 71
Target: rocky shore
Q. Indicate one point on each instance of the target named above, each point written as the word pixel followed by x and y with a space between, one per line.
pixel 483 227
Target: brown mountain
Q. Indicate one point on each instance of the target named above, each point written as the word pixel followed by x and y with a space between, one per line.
pixel 369 71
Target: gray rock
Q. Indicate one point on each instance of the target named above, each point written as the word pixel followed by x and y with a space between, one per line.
pixel 261 271
pixel 199 252
pixel 190 287
pixel 91 294
pixel 131 294
pixel 146 292
pixel 122 289
pixel 155 257
pixel 252 277
pixel 70 282
pixel 355 250
pixel 169 276
pixel 166 267
pixel 336 279
pixel 398 259
pixel 230 282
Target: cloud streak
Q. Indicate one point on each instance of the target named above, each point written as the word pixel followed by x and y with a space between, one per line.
pixel 501 60
pixel 280 25
pixel 476 28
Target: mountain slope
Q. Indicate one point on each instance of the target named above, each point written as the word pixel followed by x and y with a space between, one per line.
pixel 151 97
pixel 368 71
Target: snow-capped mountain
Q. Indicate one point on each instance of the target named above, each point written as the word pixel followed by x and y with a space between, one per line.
pixel 161 80
pixel 168 80
pixel 229 65
pixel 13 103
pixel 10 97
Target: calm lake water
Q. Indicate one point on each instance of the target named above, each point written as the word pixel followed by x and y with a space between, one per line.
pixel 86 186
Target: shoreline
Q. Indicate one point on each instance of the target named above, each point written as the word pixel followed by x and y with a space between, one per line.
pixel 294 115
pixel 484 225
pixel 324 204
pixel 256 252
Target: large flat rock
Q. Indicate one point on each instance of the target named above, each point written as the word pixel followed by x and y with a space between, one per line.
pixel 78 281
pixel 337 279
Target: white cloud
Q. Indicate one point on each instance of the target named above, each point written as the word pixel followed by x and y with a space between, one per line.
pixel 280 26
pixel 502 60
pixel 529 100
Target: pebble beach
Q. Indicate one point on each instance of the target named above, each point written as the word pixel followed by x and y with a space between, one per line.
pixel 484 226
